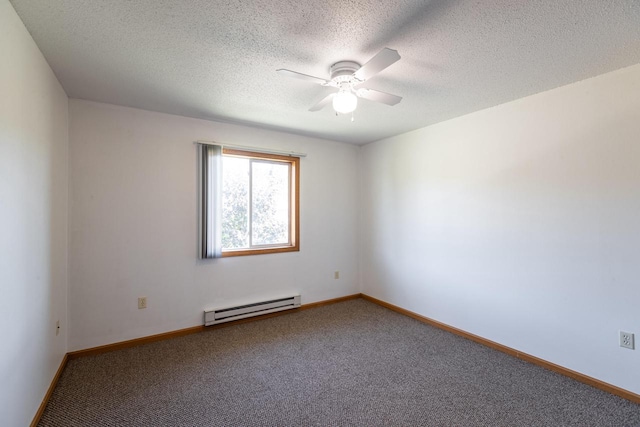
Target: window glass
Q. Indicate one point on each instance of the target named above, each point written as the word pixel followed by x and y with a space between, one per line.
pixel 235 202
pixel 270 203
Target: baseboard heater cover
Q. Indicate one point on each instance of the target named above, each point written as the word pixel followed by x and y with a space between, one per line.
pixel 221 315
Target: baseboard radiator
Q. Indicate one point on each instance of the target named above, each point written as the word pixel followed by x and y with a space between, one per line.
pixel 228 314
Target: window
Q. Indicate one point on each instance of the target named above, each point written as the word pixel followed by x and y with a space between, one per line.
pixel 250 203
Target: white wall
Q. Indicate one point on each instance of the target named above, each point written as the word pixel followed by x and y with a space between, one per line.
pixel 519 223
pixel 33 222
pixel 134 225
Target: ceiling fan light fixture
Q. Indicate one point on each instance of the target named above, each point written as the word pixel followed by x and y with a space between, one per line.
pixel 345 102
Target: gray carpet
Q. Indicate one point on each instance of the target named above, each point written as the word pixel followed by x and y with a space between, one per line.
pixel 347 364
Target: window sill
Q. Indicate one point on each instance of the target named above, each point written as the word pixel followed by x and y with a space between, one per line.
pixel 271 250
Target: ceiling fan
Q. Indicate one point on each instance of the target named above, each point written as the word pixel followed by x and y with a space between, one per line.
pixel 346 76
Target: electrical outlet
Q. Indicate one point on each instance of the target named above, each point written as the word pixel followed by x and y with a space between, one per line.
pixel 142 302
pixel 626 340
pixel 336 275
pixel 57 327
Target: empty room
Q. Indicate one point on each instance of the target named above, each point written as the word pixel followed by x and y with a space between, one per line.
pixel 342 213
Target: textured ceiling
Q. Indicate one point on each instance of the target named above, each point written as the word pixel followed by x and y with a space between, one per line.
pixel 217 59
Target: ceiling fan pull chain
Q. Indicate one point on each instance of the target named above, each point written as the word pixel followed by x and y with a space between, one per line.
pixel 352 119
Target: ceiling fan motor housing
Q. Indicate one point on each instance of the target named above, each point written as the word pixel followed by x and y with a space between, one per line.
pixel 342 72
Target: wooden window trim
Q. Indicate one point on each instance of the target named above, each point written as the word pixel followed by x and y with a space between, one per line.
pixel 294 202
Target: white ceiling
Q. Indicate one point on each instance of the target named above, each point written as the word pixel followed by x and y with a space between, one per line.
pixel 217 59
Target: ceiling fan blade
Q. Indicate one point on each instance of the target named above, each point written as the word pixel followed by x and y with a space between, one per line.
pixel 301 76
pixel 382 60
pixel 323 102
pixel 377 96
